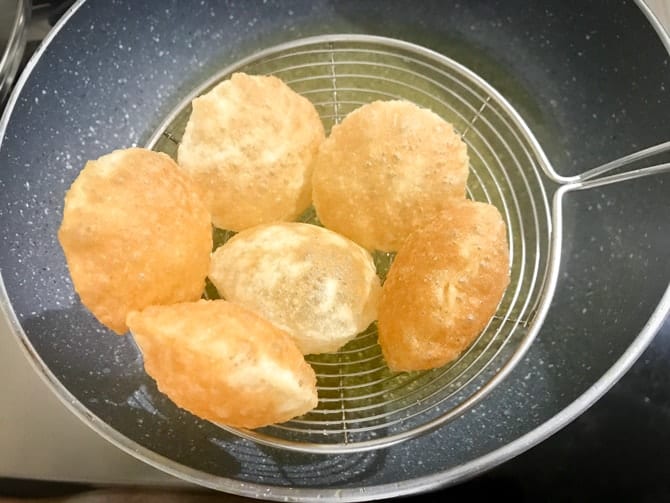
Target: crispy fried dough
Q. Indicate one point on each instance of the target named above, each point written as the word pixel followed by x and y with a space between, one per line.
pixel 387 169
pixel 443 287
pixel 224 363
pixel 315 284
pixel 249 146
pixel 134 233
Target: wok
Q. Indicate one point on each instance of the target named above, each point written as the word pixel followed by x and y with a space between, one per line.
pixel 110 74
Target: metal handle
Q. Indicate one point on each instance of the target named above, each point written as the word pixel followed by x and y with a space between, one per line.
pixel 620 177
pixel 624 162
pixel 594 177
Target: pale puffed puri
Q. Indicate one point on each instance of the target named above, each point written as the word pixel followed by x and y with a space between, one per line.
pixel 387 169
pixel 317 285
pixel 249 145
pixel 443 287
pixel 135 233
pixel 224 363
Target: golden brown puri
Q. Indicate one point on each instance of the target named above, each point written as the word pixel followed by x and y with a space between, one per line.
pixel 387 169
pixel 316 285
pixel 224 363
pixel 443 287
pixel 249 146
pixel 134 233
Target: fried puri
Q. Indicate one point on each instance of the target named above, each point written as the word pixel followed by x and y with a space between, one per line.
pixel 134 233
pixel 443 287
pixel 316 285
pixel 249 146
pixel 224 363
pixel 387 169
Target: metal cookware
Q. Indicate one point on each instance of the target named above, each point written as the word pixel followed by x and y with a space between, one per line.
pixel 540 95
pixel 14 16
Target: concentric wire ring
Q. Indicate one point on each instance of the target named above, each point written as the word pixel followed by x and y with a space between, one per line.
pixel 362 405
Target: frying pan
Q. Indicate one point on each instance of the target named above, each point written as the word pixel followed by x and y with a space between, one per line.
pixel 112 72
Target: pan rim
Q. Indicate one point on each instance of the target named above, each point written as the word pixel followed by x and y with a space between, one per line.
pixel 421 484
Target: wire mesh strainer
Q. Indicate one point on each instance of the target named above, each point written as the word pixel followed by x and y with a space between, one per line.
pixel 362 405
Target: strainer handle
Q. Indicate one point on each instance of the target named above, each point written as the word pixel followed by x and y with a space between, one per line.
pixel 620 177
pixel 594 177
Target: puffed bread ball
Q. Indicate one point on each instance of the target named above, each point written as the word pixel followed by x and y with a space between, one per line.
pixel 249 146
pixel 387 169
pixel 224 363
pixel 134 233
pixel 316 285
pixel 443 287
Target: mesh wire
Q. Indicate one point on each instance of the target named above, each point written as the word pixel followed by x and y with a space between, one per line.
pixel 362 405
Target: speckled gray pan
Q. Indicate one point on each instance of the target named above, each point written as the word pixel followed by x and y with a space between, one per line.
pixel 590 79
